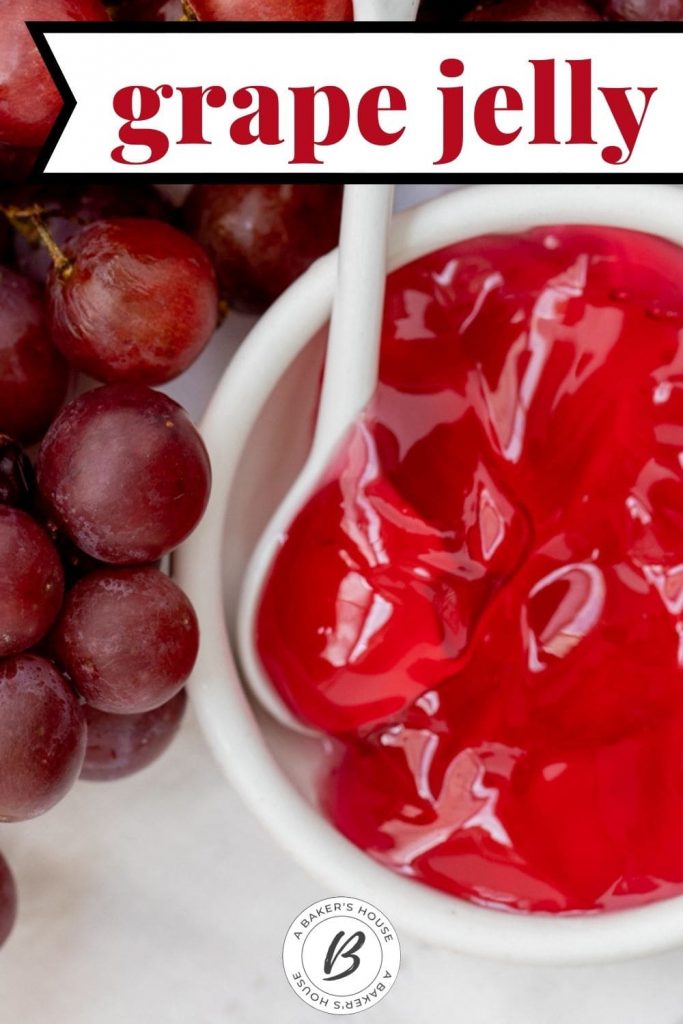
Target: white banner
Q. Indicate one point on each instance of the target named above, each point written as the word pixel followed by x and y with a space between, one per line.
pixel 382 103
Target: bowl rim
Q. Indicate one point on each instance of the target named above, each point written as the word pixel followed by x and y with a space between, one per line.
pixel 217 691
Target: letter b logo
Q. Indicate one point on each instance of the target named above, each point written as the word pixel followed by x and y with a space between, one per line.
pixel 345 950
pixel 341 955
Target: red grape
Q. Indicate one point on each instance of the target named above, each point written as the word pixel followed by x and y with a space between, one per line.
pixel 8 900
pixel 17 477
pixel 128 639
pixel 65 212
pixel 31 581
pixel 33 375
pixel 645 10
pixel 42 737
pixel 534 10
pixel 123 472
pixel 262 237
pixel 119 745
pixel 138 303
pixel 273 10
pixel 29 99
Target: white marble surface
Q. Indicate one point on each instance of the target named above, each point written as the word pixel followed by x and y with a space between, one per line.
pixel 159 900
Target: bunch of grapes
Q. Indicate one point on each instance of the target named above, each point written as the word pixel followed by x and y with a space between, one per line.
pixel 96 642
pixel 102 294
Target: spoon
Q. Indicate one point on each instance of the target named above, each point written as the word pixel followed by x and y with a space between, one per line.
pixel 349 381
pixel 386 10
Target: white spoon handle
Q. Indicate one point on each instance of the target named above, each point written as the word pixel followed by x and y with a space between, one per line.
pixel 352 358
pixel 385 10
pixel 349 382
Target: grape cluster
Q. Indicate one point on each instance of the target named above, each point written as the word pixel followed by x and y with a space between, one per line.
pixel 105 292
pixel 96 642
pixel 94 650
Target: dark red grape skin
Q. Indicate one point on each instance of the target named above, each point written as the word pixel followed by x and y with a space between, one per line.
pixel 75 563
pixel 128 639
pixel 42 737
pixel 123 472
pixel 29 99
pixel 65 211
pixel 16 163
pixel 31 582
pixel 139 304
pixel 262 237
pixel 273 10
pixel 33 374
pixel 5 236
pixel 8 901
pixel 17 476
pixel 119 745
pixel 534 10
pixel 645 10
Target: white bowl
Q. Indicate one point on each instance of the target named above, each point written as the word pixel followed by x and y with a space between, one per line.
pixel 257 429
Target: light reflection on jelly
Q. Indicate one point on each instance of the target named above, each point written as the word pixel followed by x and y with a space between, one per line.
pixel 483 602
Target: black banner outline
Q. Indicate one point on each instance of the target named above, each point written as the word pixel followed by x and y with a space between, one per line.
pixel 38 29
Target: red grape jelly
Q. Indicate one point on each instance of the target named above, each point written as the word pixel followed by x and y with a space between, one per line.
pixel 483 601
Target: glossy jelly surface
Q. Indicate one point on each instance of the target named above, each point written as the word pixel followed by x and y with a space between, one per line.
pixel 483 602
